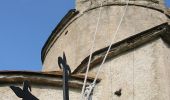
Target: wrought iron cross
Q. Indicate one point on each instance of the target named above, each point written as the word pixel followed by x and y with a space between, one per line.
pixel 25 92
pixel 62 62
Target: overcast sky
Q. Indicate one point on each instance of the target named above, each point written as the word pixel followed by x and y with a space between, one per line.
pixel 24 27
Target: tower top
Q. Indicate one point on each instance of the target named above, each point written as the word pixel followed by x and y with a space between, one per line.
pixel 84 5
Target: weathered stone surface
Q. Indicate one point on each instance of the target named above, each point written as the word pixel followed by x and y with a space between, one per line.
pixel 126 45
pixel 45 85
pixel 142 73
pixel 84 5
pixel 41 92
pixel 42 78
pixel 78 41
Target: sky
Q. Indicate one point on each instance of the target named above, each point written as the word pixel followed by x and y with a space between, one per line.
pixel 167 3
pixel 25 26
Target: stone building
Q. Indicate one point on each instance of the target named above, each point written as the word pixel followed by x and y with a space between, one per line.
pixel 137 65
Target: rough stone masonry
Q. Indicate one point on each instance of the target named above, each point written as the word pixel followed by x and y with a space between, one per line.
pixel 138 64
pixel 141 73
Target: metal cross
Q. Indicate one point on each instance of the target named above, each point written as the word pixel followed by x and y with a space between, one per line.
pixel 24 93
pixel 62 62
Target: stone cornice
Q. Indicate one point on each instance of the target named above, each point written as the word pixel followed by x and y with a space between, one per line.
pixel 126 45
pixel 41 78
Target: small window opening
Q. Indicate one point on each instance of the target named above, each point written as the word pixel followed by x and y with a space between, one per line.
pixel 118 93
pixel 66 32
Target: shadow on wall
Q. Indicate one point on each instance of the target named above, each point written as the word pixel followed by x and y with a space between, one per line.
pixel 167 3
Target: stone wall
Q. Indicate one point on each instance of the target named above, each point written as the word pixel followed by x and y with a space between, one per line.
pixel 78 40
pixel 141 74
pixel 41 92
pixel 45 85
pixel 83 5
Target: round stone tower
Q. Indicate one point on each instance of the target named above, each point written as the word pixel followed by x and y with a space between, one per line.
pixel 137 72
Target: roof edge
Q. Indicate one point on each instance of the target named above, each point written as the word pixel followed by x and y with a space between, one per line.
pixel 71 14
pixel 42 78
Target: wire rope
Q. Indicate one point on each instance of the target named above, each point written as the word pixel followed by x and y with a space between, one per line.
pixel 116 32
pixel 91 51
